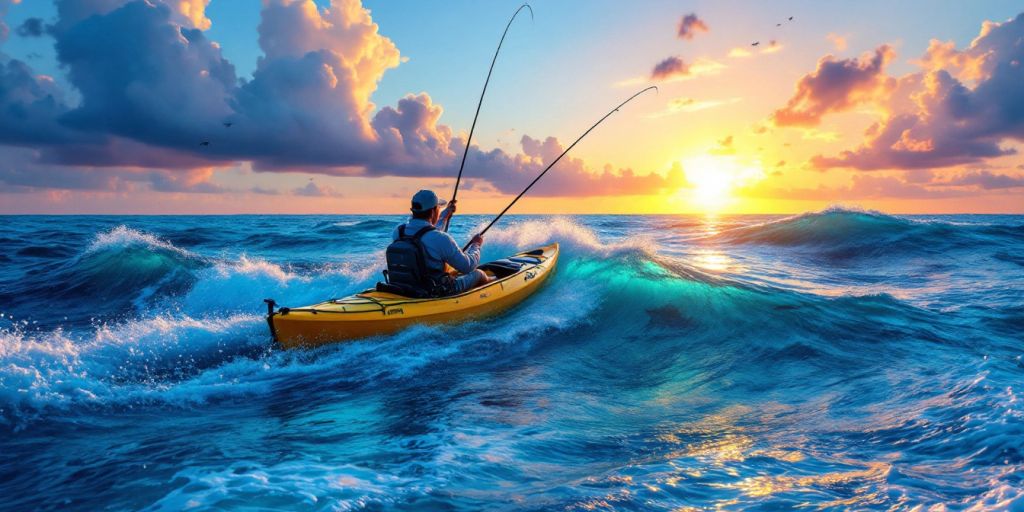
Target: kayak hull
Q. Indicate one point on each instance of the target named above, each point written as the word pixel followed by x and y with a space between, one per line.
pixel 375 313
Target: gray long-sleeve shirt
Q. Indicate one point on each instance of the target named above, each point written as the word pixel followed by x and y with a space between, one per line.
pixel 441 248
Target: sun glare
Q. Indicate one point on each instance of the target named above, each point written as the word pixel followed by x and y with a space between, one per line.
pixel 713 179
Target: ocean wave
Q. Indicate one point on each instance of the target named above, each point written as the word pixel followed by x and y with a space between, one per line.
pixel 123 363
pixel 289 485
pixel 850 233
pixel 123 236
pixel 573 238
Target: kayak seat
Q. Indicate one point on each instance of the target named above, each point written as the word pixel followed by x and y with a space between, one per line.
pixel 502 268
pixel 404 291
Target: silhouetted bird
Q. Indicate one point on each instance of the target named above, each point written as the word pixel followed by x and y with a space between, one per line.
pixel 755 43
pixel 778 24
pixel 204 143
pixel 790 18
pixel 228 125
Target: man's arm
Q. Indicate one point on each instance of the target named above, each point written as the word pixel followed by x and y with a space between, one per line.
pixel 463 262
pixel 445 214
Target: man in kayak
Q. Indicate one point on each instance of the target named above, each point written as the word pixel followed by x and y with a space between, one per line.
pixel 421 251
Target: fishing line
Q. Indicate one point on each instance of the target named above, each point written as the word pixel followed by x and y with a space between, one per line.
pixel 541 175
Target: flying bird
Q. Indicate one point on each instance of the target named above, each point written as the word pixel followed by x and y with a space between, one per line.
pixel 228 125
pixel 204 143
pixel 755 43
pixel 778 24
pixel 790 18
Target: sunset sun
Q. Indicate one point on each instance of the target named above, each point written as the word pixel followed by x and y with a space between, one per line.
pixel 713 179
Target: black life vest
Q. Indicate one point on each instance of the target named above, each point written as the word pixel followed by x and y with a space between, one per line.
pixel 407 270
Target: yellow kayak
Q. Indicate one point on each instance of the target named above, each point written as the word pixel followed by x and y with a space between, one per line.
pixel 373 312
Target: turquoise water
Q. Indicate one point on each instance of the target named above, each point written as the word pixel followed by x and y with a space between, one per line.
pixel 837 360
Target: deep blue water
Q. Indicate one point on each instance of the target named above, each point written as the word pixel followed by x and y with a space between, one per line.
pixel 837 360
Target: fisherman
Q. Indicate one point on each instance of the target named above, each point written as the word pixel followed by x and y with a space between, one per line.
pixel 421 252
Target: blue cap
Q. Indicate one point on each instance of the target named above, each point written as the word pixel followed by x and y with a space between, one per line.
pixel 426 200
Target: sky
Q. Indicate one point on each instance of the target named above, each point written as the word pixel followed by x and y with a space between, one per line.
pixel 342 106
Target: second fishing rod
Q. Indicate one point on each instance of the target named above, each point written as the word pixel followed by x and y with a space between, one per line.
pixel 552 164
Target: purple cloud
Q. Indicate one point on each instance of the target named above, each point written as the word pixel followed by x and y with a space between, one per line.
pixel 986 180
pixel 670 68
pixel 935 120
pixel 152 86
pixel 31 27
pixel 690 26
pixel 836 85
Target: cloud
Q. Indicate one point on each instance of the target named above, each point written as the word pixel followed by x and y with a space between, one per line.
pixel 313 189
pixel 677 105
pixel 509 174
pixel 840 42
pixel 21 171
pixel 674 69
pixel 31 27
pixel 739 53
pixel 771 47
pixel 670 68
pixel 29 107
pixel 4 29
pixel 690 26
pixel 957 110
pixel 835 86
pixel 985 180
pixel 152 85
pixel 724 147
pixel 860 187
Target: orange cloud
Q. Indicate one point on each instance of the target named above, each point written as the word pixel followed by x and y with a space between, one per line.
pixel 835 86
pixel 690 26
pixel 838 41
pixel 933 119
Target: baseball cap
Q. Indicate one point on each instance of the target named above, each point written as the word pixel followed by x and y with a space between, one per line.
pixel 425 200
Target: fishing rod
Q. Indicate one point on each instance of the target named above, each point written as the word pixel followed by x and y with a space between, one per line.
pixel 472 127
pixel 548 168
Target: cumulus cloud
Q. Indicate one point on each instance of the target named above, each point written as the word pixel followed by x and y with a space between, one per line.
pixel 957 110
pixel 836 85
pixel 509 174
pixel 29 107
pixel 690 26
pixel 152 85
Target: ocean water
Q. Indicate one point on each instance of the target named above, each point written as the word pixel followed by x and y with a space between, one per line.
pixel 833 360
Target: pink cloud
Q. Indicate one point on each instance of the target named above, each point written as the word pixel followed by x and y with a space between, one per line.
pixel 670 68
pixel 153 86
pixel 836 85
pixel 690 25
pixel 934 119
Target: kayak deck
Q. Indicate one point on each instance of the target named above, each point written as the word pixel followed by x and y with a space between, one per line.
pixel 373 313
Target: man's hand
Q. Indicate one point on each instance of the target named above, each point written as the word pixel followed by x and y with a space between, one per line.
pixel 451 205
pixel 478 240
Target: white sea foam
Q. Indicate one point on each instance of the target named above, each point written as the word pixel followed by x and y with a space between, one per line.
pixel 529 234
pixel 289 485
pixel 124 236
